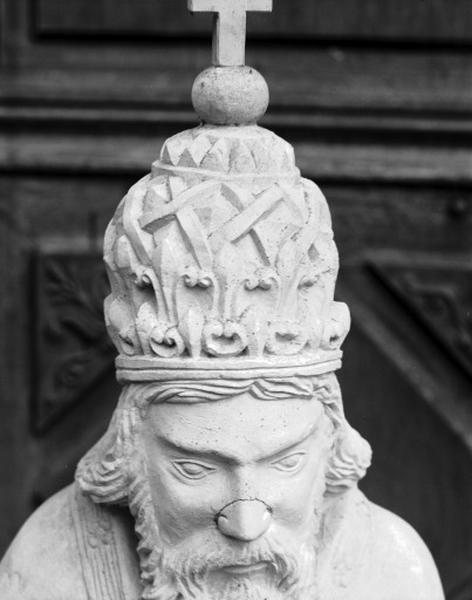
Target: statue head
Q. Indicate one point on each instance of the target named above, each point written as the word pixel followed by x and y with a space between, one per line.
pixel 229 440
pixel 228 482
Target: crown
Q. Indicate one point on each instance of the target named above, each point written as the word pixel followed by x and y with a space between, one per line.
pixel 223 257
pixel 222 261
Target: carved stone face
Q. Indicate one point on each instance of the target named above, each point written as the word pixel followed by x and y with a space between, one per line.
pixel 233 478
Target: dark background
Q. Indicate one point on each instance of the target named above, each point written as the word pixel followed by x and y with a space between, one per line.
pixel 376 96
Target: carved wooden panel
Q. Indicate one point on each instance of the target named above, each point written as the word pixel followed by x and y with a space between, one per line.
pixel 406 257
pixel 72 349
pixel 14 444
pixel 385 132
pixel 421 469
pixel 439 293
pixel 439 20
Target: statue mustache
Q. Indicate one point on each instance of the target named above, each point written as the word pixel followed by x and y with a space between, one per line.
pixel 194 565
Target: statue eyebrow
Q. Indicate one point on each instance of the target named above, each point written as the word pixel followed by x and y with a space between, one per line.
pixel 293 444
pixel 198 452
pixel 193 452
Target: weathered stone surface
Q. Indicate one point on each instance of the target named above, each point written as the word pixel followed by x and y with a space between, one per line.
pixel 229 470
pixel 365 548
pixel 230 96
pixel 222 260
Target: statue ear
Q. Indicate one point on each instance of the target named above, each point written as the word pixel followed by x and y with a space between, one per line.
pixel 350 459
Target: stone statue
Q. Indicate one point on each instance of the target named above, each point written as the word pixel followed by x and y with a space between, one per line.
pixel 229 471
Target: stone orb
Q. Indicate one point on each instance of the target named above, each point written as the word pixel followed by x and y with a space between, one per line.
pixel 230 96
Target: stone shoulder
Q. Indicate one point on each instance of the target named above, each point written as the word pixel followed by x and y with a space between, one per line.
pixel 400 561
pixel 43 561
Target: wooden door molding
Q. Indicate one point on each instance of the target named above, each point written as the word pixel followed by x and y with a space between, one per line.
pixel 392 20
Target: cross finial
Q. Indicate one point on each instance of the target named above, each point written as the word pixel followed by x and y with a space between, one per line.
pixel 229 34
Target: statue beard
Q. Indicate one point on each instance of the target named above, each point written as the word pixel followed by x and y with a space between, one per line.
pixel 191 570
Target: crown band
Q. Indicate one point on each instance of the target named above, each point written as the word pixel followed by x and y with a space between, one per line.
pixel 159 168
pixel 141 370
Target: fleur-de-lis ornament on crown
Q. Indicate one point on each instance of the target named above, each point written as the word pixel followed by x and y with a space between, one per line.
pixel 222 259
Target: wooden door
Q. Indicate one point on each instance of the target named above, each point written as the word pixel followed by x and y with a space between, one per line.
pixel 376 98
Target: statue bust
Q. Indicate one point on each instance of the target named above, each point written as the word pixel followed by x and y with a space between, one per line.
pixel 229 471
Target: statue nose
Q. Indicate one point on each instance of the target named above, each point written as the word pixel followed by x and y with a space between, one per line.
pixel 245 520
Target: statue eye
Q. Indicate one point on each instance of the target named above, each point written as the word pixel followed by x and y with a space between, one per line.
pixel 192 470
pixel 290 463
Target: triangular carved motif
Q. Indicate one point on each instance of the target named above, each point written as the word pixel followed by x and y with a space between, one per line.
pixel 439 293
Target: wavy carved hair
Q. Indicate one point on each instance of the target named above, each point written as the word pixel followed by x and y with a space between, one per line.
pixel 107 472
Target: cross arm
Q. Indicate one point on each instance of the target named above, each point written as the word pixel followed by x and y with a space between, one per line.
pixel 204 5
pixel 229 35
pixel 216 5
pixel 260 5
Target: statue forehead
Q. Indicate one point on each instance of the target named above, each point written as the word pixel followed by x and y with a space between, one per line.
pixel 234 421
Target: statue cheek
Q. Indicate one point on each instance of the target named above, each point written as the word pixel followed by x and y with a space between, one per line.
pixel 182 510
pixel 178 519
pixel 299 500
